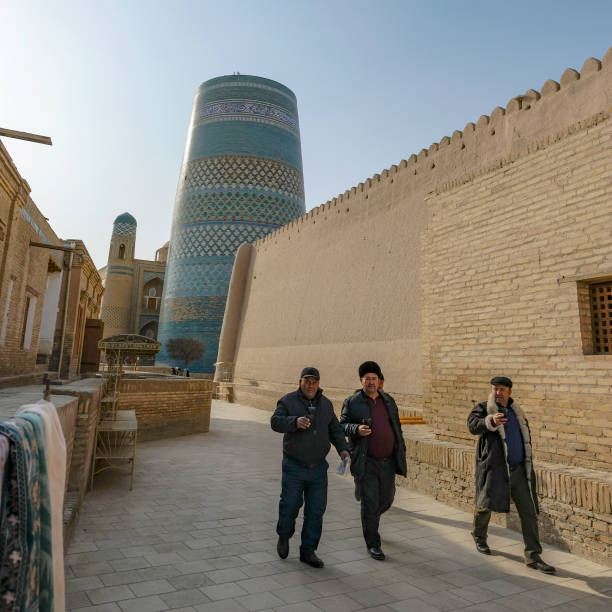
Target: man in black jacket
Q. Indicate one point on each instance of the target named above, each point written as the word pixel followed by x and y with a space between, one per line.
pixel 309 423
pixel 371 422
pixel 504 469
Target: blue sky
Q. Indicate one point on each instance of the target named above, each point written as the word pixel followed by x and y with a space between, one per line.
pixel 112 82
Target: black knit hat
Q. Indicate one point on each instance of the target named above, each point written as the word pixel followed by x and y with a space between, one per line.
pixel 310 371
pixel 501 380
pixel 369 367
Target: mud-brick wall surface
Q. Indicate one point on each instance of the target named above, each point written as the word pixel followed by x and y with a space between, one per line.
pixel 169 407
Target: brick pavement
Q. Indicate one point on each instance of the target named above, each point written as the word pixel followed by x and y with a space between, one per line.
pixel 197 534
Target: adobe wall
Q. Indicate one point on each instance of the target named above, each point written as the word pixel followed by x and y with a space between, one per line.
pixel 498 295
pixel 467 260
pixel 168 407
pixel 345 282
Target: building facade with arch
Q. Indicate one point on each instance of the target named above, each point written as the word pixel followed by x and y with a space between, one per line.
pixel 133 287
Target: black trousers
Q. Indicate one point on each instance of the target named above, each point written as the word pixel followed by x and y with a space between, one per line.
pixel 521 496
pixel 377 489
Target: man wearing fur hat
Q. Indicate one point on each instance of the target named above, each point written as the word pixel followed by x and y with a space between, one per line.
pixel 371 422
pixel 504 469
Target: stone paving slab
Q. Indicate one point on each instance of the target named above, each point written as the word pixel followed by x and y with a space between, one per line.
pixel 197 534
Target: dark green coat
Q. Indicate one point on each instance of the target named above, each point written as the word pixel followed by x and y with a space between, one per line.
pixel 356 408
pixel 492 472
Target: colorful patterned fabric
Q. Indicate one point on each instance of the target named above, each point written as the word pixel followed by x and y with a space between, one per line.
pixel 55 455
pixel 20 522
pixel 45 588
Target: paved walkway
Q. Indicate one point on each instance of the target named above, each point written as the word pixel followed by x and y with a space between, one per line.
pixel 197 533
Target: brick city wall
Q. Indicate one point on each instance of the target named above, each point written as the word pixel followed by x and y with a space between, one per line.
pixel 478 250
pixel 168 407
pixel 496 254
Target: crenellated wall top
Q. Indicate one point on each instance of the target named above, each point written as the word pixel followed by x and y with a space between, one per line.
pixel 539 117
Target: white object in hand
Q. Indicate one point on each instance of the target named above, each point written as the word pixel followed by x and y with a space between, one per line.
pixel 342 466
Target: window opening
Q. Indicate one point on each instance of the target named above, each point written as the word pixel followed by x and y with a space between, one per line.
pixel 600 295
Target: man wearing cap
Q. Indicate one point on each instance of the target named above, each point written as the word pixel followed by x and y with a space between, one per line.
pixel 504 469
pixel 309 423
pixel 371 422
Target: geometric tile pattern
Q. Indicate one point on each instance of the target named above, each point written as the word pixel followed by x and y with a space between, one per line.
pixel 193 277
pixel 247 111
pixel 249 205
pixel 116 316
pixel 213 239
pixel 242 171
pixel 241 179
pixel 124 228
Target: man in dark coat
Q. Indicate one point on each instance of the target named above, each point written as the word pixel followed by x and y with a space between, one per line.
pixel 309 423
pixel 504 469
pixel 371 422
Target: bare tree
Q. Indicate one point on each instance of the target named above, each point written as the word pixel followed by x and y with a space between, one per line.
pixel 185 349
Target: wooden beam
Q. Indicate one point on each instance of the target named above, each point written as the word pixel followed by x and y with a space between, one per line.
pixel 26 136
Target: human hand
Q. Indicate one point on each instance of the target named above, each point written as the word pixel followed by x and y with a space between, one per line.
pixel 302 422
pixel 499 419
pixel 364 430
pixel 344 455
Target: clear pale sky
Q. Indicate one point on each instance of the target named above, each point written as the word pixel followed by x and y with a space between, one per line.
pixel 112 82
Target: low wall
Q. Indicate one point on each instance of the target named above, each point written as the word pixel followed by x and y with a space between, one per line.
pixel 67 415
pixel 576 504
pixel 79 442
pixel 167 407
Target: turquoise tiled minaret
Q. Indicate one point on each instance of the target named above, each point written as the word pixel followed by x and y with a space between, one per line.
pixel 241 179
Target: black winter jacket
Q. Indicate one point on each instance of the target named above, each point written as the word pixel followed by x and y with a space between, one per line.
pixel 307 446
pixel 492 472
pixel 356 408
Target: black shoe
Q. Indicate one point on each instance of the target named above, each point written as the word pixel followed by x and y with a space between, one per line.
pixel 376 553
pixel 538 564
pixel 308 556
pixel 483 547
pixel 357 490
pixel 282 547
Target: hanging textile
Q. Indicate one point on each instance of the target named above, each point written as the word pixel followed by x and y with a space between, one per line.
pixel 45 583
pixel 20 521
pixel 55 459
pixel 4 450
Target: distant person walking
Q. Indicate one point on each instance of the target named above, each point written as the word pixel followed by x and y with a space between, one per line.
pixel 307 419
pixel 370 420
pixel 504 469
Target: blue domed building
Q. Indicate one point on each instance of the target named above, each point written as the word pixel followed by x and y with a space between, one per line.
pixel 241 178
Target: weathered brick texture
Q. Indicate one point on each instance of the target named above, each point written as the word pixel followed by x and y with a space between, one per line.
pixel 575 503
pixel 470 259
pixel 493 302
pixel 168 407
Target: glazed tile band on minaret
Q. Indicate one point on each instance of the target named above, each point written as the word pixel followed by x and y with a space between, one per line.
pixel 241 178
